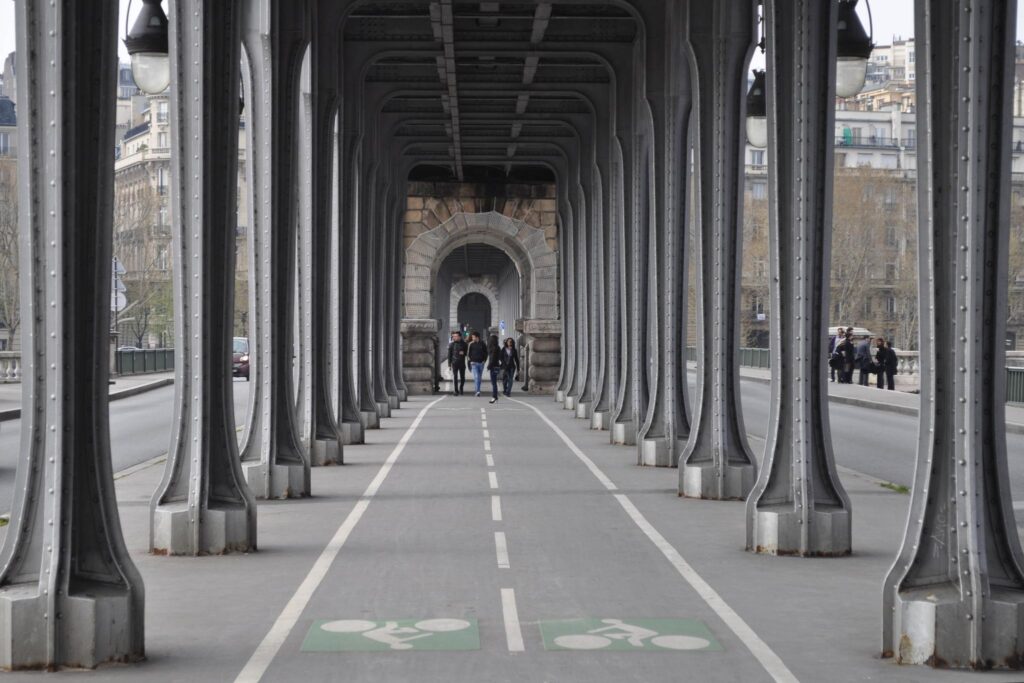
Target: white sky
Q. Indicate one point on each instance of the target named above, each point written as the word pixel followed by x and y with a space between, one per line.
pixel 891 17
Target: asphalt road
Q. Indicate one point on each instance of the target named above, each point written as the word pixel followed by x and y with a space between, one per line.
pixel 140 429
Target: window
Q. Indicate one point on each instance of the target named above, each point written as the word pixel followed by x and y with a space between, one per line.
pixel 757 305
pixel 760 269
pixel 163 215
pixel 890 304
pixel 758 190
pixel 161 112
pixel 855 135
pixel 757 157
pixel 890 271
pixel 5 144
pixel 161 140
pixel 890 236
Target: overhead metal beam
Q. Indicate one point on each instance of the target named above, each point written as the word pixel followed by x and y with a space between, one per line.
pixel 443 26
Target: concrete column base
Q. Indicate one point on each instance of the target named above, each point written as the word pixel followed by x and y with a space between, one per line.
pixel 95 627
pixel 560 397
pixel 600 419
pixel 369 420
pixel 223 530
pixel 394 403
pixel 325 452
pixel 403 395
pixel 778 530
pixel 569 403
pixel 623 434
pixel 701 481
pixel 351 433
pixel 383 409
pixel 654 452
pixel 583 410
pixel 285 481
pixel 932 625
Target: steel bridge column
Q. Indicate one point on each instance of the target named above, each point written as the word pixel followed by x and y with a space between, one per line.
pixel 717 462
pixel 202 505
pixel 579 341
pixel 69 593
pixel 273 459
pixel 798 506
pixel 954 594
pixel 302 365
pixel 567 242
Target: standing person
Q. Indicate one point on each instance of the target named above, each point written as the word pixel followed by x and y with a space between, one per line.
pixel 457 362
pixel 863 361
pixel 494 364
pixel 834 362
pixel 846 351
pixel 887 364
pixel 477 355
pixel 510 364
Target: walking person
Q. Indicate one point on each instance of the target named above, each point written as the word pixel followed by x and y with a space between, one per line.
pixel 457 362
pixel 834 362
pixel 476 352
pixel 863 361
pixel 510 364
pixel 495 360
pixel 846 351
pixel 887 365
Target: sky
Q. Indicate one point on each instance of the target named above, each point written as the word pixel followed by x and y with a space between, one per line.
pixel 891 18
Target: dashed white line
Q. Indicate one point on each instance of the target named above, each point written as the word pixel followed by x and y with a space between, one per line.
pixel 513 632
pixel 272 642
pixel 493 479
pixel 487 445
pixel 490 459
pixel 496 508
pixel 501 548
pixel 771 662
pixel 487 434
pixel 484 424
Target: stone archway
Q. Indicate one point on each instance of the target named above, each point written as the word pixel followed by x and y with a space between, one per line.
pixel 461 288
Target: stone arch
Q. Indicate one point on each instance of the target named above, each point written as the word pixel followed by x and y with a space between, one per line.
pixel 469 285
pixel 525 244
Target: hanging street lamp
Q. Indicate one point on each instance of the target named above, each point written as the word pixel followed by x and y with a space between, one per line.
pixel 853 48
pixel 757 112
pixel 147 45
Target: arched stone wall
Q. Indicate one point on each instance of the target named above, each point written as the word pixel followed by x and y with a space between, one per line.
pixel 526 245
pixel 461 288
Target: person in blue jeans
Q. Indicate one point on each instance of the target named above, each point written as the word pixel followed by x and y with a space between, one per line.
pixel 477 355
pixel 509 364
pixel 495 363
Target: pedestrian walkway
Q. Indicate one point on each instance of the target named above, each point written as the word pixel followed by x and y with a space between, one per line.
pixel 508 542
pixel 120 387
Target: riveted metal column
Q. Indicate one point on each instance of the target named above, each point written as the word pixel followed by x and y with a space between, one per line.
pixel 69 593
pixel 202 505
pixel 302 365
pixel 567 248
pixel 578 341
pixel 385 280
pixel 327 439
pixel 667 84
pixel 396 270
pixel 798 506
pixel 717 462
pixel 273 459
pixel 954 595
pixel 373 327
pixel 358 260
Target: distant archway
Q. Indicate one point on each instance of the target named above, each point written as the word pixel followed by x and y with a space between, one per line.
pixel 474 310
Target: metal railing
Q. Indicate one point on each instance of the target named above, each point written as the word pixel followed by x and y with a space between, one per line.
pixel 142 361
pixel 1015 385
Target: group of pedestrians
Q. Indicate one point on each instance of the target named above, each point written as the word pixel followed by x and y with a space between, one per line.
pixel 869 357
pixel 501 361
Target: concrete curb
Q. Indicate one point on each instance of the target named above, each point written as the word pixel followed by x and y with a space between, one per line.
pixel 15 413
pixel 1011 427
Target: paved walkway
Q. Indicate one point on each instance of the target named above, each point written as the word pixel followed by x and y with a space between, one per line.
pixel 121 387
pixel 492 548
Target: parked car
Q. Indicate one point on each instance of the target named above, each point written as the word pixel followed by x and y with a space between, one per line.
pixel 240 358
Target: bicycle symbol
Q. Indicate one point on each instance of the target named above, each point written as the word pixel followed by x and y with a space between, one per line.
pixel 632 634
pixel 393 635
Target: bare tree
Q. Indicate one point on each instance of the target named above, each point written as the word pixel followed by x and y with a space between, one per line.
pixel 10 306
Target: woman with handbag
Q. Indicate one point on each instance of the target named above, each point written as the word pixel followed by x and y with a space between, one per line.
pixel 510 364
pixel 494 364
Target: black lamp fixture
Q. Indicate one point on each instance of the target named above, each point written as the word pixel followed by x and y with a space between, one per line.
pixel 147 45
pixel 757 112
pixel 853 48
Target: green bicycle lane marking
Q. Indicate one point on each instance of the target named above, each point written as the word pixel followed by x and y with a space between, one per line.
pixel 363 635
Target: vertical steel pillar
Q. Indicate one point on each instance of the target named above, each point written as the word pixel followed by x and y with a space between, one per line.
pixel 302 332
pixel 358 255
pixel 717 462
pixel 69 593
pixel 575 389
pixel 273 459
pixel 954 595
pixel 327 438
pixel 567 247
pixel 202 505
pixel 798 506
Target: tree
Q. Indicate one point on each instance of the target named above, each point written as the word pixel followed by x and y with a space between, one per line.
pixel 10 305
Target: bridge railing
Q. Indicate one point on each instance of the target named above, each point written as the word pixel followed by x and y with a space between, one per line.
pixel 1015 385
pixel 10 367
pixel 142 361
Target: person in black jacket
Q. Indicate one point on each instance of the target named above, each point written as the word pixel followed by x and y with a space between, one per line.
pixel 477 354
pixel 886 363
pixel 845 349
pixel 494 364
pixel 457 362
pixel 510 364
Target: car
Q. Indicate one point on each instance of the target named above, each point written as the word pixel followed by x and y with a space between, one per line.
pixel 240 358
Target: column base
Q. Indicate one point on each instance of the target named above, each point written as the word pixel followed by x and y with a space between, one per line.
pixel 325 452
pixel 351 433
pixel 383 410
pixel 559 397
pixel 394 403
pixel 569 403
pixel 583 410
pixel 655 452
pixel 778 531
pixel 96 626
pixel 223 530
pixel 285 481
pixel 623 434
pixel 369 419
pixel 933 626
pixel 600 419
pixel 403 395
pixel 701 481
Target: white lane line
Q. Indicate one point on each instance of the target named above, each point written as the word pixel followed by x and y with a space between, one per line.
pixel 771 662
pixel 496 508
pixel 493 479
pixel 487 444
pixel 513 632
pixel 483 412
pixel 490 459
pixel 501 546
pixel 487 434
pixel 483 424
pixel 272 642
